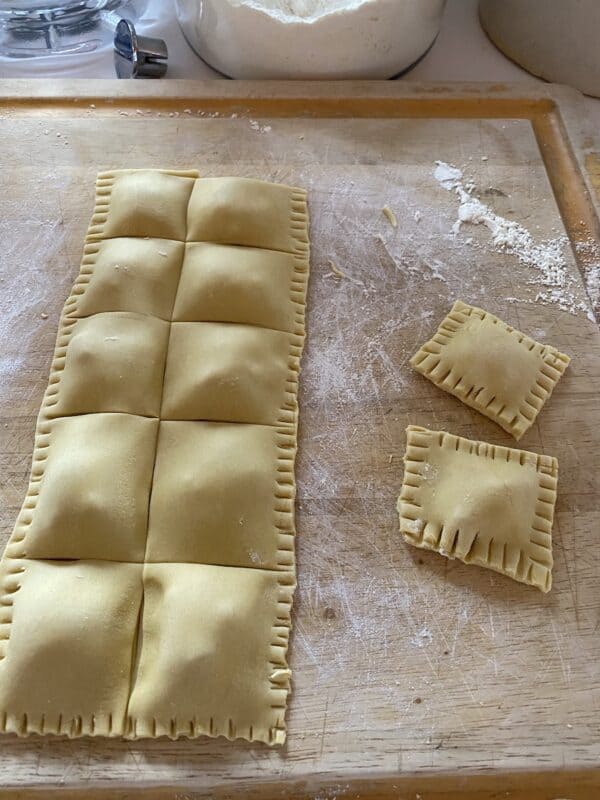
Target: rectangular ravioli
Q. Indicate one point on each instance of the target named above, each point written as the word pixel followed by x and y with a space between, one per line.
pixel 491 367
pixel 146 589
pixel 480 503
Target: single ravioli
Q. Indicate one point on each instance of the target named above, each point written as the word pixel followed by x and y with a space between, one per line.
pixel 152 203
pixel 73 627
pixel 113 362
pixel 244 211
pixel 228 372
pixel 92 500
pixel 491 367
pixel 221 495
pixel 480 503
pixel 211 660
pixel 227 283
pixel 128 274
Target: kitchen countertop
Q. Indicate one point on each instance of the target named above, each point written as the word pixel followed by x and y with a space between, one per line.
pixel 462 52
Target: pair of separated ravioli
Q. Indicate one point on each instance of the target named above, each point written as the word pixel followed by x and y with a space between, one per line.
pixel 478 502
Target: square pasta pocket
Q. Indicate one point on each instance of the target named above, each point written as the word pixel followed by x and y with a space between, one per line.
pixel 491 367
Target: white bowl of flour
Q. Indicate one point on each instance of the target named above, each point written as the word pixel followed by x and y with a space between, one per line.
pixel 310 38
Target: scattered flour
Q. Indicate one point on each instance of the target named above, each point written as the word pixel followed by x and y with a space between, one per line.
pixel 422 638
pixel 332 792
pixel 590 252
pixel 414 525
pixel 558 285
pixel 256 126
pixel 448 176
pixel 592 280
pixel 429 472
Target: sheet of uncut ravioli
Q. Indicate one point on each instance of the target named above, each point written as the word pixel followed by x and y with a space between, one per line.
pixel 480 503
pixel 146 589
pixel 491 367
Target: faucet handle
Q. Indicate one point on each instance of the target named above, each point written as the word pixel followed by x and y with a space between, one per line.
pixel 138 56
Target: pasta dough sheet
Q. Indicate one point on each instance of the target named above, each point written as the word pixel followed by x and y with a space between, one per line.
pixel 147 587
pixel 480 503
pixel 491 367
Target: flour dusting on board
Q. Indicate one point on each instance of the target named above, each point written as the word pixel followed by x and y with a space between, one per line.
pixel 375 292
pixel 28 245
pixel 333 792
pixel 422 638
pixel 508 236
pixel 593 283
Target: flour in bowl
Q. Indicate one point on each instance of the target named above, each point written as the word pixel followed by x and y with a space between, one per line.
pixel 303 9
pixel 310 38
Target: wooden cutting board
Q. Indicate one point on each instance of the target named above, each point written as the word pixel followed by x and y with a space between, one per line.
pixel 411 672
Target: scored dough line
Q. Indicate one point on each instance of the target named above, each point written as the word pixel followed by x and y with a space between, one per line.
pixel 138 633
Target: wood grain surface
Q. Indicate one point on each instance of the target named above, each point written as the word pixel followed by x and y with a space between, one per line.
pixel 411 672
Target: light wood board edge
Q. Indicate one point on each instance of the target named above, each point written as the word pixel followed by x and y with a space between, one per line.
pixel 570 150
pixel 539 785
pixel 278 98
pixel 585 138
pixel 108 90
